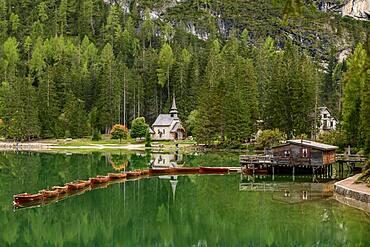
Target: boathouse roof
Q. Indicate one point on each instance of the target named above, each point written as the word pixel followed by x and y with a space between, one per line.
pixel 312 144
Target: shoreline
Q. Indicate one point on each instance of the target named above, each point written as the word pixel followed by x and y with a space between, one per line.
pixel 353 194
pixel 57 147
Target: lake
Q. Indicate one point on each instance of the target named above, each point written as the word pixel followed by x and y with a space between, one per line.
pixel 190 210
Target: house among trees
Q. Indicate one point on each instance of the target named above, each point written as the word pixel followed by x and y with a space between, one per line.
pixel 327 121
pixel 168 126
pixel 304 152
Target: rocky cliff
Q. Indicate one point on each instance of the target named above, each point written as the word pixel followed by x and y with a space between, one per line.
pixel 318 28
pixel 358 9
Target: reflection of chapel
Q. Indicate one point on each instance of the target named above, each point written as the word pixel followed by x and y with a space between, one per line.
pixel 168 126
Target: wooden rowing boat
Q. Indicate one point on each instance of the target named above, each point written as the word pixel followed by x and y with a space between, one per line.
pixel 249 171
pixel 205 170
pixel 100 180
pixel 154 171
pixel 133 174
pixel 144 172
pixel 179 170
pixel 117 175
pixel 25 197
pixel 49 193
pixel 78 185
pixel 60 189
pixel 261 171
pixel 99 186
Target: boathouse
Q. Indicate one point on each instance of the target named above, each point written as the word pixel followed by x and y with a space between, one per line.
pixel 304 152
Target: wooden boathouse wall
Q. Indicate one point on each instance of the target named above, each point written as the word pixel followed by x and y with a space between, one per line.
pixel 295 154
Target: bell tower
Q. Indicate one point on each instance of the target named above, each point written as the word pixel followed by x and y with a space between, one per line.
pixel 173 110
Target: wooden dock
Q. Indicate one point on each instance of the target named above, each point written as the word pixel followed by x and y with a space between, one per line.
pixel 273 163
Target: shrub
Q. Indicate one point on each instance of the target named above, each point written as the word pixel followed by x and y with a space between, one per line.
pixel 269 138
pixel 119 131
pixel 96 136
pixel 333 138
pixel 148 139
pixel 139 128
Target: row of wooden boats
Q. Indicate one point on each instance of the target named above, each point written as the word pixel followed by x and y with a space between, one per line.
pixel 79 185
pixel 250 171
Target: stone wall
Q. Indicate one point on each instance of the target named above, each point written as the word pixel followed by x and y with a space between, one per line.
pixel 351 197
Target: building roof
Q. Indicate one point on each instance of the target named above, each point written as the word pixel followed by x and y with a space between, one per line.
pixel 322 108
pixel 312 144
pixel 176 127
pixel 163 120
pixel 151 131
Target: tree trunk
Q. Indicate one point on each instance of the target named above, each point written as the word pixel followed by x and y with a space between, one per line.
pixel 124 99
pixel 168 81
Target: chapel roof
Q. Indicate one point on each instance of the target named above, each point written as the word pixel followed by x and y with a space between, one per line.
pixel 163 120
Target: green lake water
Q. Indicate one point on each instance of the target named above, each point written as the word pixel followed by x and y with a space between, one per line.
pixel 192 210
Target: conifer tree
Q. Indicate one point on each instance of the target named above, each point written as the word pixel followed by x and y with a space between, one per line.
pixel 354 81
pixel 75 117
pixel 165 62
pixel 109 98
pixel 207 127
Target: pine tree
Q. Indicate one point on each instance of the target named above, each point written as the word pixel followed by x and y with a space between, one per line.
pixel 62 17
pixel 147 29
pixel 207 128
pixel 354 81
pixel 75 117
pixel 109 98
pixel 165 62
pixel 20 111
pixel 365 101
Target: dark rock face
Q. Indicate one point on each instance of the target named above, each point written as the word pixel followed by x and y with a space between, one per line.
pixel 358 9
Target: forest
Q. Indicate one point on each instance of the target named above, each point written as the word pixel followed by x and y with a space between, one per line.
pixel 69 68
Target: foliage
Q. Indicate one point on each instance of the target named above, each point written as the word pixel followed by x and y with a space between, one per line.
pixel 96 136
pixel 365 176
pixel 60 59
pixel 269 138
pixel 335 138
pixel 75 117
pixel 119 132
pixel 191 122
pixel 355 110
pixel 148 139
pixel 139 128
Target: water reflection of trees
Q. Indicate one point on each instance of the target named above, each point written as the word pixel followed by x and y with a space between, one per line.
pixel 206 209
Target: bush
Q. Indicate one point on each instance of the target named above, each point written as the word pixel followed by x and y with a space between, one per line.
pixel 333 138
pixel 365 176
pixel 191 122
pixel 119 131
pixel 148 139
pixel 269 138
pixel 96 136
pixel 139 128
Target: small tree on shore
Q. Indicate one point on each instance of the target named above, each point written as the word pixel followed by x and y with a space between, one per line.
pixel 269 138
pixel 96 135
pixel 139 128
pixel 119 132
pixel 148 139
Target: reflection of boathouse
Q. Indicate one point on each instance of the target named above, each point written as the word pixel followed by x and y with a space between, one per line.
pixel 290 192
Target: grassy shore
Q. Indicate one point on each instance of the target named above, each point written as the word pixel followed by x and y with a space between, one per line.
pixel 82 145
